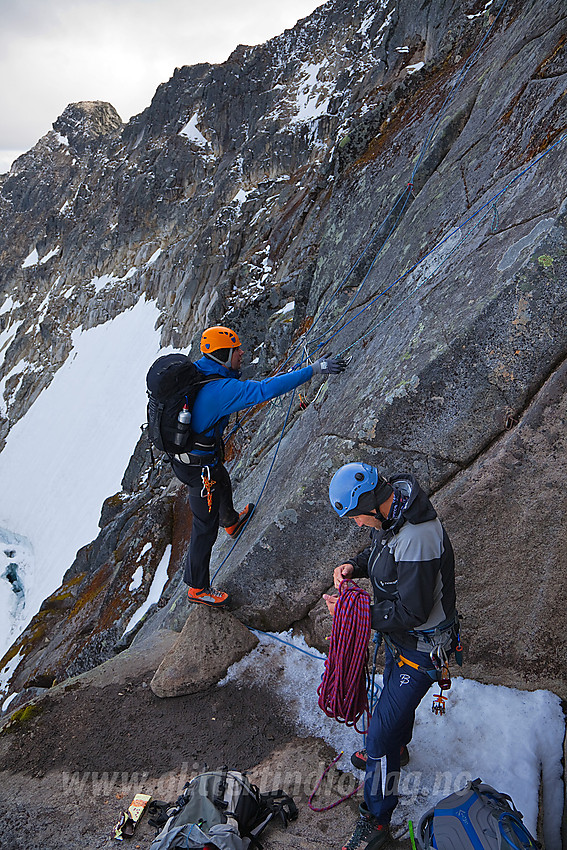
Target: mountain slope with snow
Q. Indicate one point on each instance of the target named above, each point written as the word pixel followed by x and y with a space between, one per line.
pixel 384 181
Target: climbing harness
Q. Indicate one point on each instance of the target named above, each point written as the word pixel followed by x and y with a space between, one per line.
pixel 208 485
pixel 343 692
pixel 440 672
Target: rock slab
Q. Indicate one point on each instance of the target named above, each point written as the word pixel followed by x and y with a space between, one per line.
pixel 210 641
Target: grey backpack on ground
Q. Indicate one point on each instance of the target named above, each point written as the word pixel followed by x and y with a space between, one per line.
pixel 476 818
pixel 219 807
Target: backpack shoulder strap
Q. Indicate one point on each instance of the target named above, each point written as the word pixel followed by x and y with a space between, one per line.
pixel 274 804
pixel 157 811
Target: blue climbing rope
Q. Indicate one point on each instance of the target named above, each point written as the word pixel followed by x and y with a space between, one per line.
pixel 405 195
pixel 224 560
pixel 287 643
pixel 489 204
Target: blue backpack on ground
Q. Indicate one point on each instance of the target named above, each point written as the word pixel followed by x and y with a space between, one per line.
pixel 476 818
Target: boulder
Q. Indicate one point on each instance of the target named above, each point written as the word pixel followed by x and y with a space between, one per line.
pixel 211 640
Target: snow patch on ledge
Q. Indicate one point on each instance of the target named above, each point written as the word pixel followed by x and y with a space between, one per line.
pixel 191 132
pixel 512 739
pixel 156 589
pixel 312 99
pixel 32 259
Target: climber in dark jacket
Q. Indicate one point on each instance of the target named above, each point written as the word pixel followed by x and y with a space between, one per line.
pixel 411 566
pixel 210 489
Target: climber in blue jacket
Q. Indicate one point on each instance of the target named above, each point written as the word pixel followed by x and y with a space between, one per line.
pixel 210 489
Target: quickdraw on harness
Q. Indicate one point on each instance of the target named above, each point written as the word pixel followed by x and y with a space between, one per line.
pixel 208 485
pixel 441 663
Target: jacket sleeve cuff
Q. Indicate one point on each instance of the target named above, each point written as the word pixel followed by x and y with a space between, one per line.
pixel 359 572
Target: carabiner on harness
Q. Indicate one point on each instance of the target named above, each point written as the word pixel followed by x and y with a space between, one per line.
pixel 207 488
pixel 440 661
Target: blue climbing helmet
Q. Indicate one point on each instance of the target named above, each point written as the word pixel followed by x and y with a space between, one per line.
pixel 349 483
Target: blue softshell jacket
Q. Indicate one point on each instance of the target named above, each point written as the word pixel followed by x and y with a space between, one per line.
pixel 218 399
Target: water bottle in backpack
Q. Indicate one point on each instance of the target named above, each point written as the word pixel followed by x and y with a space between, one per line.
pixel 183 426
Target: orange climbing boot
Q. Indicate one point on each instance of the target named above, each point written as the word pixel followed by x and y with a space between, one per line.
pixel 358 759
pixel 234 530
pixel 208 596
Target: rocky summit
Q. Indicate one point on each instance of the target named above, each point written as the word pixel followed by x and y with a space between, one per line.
pixel 385 180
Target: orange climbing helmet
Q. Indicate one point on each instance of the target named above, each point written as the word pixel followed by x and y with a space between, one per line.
pixel 219 339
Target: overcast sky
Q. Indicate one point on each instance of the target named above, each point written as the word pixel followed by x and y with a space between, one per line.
pixel 55 52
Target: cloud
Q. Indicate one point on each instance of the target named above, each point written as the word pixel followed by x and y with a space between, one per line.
pixel 57 52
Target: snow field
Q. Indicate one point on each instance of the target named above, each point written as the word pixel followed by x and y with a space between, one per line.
pixel 510 739
pixel 68 454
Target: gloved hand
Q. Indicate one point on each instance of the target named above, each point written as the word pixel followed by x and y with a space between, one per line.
pixel 329 365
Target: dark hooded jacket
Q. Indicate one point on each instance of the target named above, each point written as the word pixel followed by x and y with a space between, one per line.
pixel 412 569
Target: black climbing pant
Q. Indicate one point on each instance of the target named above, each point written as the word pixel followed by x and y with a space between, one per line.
pixel 206 523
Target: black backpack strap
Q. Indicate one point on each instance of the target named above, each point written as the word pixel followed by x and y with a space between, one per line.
pixel 282 806
pixel 157 811
pixel 274 804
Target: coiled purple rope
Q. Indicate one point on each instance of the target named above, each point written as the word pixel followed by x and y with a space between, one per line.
pixel 343 692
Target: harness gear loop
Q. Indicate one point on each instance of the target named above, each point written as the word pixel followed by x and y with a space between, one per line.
pixel 207 488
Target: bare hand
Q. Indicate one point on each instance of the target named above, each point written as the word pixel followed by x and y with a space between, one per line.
pixel 331 602
pixel 342 572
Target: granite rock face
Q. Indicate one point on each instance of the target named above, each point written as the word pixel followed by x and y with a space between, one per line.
pixel 504 514
pixel 383 180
